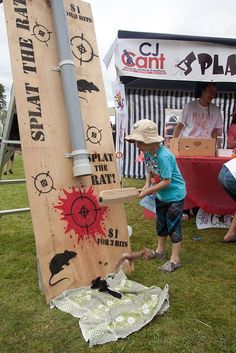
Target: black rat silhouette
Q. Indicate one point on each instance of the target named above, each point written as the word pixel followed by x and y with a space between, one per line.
pixel 84 86
pixel 57 263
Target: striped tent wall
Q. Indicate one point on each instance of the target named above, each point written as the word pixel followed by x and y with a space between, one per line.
pixel 151 104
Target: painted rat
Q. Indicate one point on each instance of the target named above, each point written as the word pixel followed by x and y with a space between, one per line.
pixel 57 263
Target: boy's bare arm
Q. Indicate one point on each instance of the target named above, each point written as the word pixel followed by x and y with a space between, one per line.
pixel 148 181
pixel 151 190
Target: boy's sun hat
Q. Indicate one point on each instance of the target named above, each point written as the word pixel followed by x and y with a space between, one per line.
pixel 145 131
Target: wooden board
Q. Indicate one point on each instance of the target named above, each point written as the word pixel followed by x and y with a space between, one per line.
pixel 77 239
pixel 114 196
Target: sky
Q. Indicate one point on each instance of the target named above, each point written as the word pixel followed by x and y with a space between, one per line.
pixel 212 18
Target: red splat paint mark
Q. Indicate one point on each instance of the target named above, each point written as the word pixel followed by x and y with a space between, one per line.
pixel 82 212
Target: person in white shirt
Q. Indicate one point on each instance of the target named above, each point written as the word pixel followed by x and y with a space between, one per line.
pixel 227 178
pixel 200 118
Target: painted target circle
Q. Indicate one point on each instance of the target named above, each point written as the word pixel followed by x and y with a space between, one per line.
pixel 41 33
pixel 43 183
pixel 84 212
pixel 82 49
pixel 94 135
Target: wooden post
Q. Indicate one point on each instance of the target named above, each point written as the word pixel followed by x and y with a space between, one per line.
pixel 77 239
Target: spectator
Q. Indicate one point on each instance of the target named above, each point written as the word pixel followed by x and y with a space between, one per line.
pixel 231 140
pixel 227 178
pixel 200 118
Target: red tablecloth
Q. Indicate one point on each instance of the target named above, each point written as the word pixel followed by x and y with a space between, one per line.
pixel 203 188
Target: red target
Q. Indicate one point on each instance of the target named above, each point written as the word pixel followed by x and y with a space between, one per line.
pixel 82 213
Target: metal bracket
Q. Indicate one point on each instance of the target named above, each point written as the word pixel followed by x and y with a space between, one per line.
pixel 75 153
pixel 66 62
pixel 61 63
pixel 68 155
pixel 56 68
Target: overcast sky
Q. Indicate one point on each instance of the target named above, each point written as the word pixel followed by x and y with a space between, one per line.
pixel 213 18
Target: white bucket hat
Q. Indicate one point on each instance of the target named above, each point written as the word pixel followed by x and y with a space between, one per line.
pixel 145 131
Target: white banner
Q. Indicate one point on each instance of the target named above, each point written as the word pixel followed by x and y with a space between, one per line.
pixel 118 91
pixel 205 220
pixel 178 60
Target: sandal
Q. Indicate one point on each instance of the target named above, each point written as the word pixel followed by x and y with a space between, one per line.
pixel 229 241
pixel 155 255
pixel 169 267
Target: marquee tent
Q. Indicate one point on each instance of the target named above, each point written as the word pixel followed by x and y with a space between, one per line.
pixel 160 72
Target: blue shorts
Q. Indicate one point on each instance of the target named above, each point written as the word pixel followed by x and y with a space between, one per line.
pixel 169 219
pixel 228 182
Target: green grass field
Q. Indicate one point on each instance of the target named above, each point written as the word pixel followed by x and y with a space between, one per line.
pixel 202 314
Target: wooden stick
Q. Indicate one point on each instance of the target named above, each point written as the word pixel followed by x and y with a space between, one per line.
pixel 129 257
pixel 118 195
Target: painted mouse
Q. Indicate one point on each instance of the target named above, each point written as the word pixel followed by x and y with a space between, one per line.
pixel 57 263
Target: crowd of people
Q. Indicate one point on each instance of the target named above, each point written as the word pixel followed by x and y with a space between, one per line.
pixel 200 119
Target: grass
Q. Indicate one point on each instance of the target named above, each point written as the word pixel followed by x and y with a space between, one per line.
pixel 202 314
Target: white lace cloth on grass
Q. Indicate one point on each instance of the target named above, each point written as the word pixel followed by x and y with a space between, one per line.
pixel 104 318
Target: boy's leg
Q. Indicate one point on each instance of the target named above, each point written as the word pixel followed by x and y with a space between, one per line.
pixel 175 258
pixel 161 226
pixel 161 242
pixel 174 223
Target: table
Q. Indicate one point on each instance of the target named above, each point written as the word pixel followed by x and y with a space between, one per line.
pixel 203 188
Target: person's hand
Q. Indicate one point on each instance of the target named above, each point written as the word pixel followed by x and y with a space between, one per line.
pixel 143 192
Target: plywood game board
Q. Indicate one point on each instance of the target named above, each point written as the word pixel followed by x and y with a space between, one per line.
pixel 77 239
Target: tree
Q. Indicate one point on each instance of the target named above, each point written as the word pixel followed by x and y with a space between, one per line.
pixel 3 101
